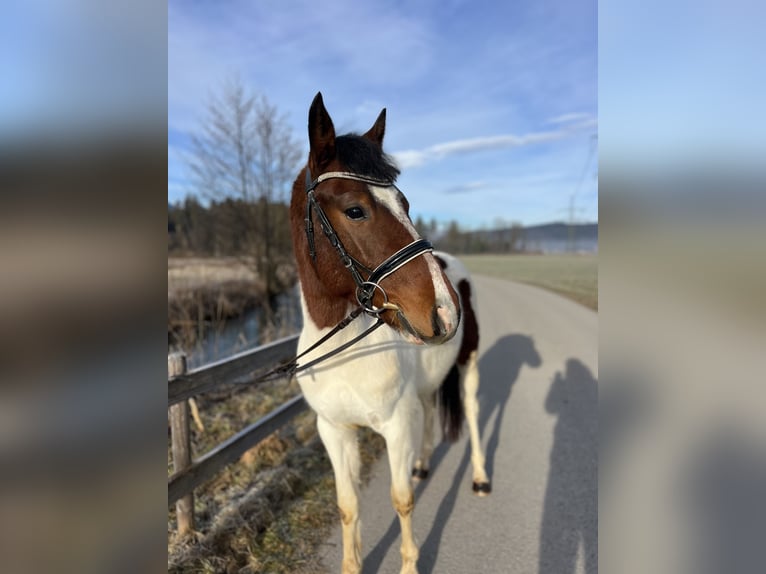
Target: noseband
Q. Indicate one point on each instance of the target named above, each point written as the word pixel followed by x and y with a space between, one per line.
pixel 365 289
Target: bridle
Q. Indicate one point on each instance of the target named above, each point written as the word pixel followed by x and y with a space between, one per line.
pixel 365 288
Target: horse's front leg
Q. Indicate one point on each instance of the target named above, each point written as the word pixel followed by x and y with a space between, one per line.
pixel 343 449
pixel 422 464
pixel 403 434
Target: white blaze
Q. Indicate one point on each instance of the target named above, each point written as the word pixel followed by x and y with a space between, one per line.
pixel 388 199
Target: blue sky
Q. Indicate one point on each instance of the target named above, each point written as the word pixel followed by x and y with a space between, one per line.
pixel 491 106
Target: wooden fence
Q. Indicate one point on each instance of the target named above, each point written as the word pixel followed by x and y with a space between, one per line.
pixel 183 385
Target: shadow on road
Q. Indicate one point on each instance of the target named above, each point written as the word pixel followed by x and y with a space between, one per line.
pixel 499 368
pixel 570 513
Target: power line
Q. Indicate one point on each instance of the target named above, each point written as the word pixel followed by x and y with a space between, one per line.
pixel 572 209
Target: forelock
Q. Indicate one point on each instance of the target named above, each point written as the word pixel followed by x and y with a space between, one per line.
pixel 363 157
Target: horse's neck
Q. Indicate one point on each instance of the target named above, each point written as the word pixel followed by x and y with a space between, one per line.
pixel 322 315
pixel 324 310
pixel 323 307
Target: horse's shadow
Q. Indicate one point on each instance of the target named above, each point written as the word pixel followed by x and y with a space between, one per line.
pixel 499 369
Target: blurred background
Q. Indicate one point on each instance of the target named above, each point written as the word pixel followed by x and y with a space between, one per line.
pixel 681 277
pixel 83 104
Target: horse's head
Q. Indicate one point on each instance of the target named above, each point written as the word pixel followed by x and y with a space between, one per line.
pixel 348 186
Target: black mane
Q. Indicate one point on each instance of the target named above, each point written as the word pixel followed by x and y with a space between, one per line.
pixel 363 157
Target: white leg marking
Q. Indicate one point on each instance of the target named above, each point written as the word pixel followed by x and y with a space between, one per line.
pixel 402 434
pixel 343 450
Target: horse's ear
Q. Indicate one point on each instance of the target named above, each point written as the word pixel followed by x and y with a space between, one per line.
pixel 378 130
pixel 321 136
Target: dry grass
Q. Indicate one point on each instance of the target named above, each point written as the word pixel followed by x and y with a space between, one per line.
pixel 188 274
pixel 248 514
pixel 271 511
pixel 193 273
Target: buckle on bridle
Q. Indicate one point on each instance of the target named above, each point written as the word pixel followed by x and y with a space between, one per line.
pixel 364 294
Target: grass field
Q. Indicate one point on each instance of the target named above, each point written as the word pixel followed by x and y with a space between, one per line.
pixel 573 276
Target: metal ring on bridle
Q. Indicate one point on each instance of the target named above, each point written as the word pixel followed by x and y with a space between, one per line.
pixel 364 296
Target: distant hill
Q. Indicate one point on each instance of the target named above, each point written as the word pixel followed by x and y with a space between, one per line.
pixel 560 231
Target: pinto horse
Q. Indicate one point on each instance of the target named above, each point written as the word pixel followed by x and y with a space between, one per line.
pixel 356 249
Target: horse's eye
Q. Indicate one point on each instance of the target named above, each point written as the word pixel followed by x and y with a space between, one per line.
pixel 355 213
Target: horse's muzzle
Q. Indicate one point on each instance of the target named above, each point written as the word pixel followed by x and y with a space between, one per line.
pixel 444 325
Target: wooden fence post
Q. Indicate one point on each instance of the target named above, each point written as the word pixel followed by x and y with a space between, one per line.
pixel 180 437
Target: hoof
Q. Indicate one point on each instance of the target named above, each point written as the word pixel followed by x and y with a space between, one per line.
pixel 482 488
pixel 420 473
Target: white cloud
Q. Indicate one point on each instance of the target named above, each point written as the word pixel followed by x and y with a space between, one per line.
pixel 416 158
pixel 569 118
pixel 409 158
pixel 574 121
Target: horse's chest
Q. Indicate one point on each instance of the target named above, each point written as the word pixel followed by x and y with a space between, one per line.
pixel 359 396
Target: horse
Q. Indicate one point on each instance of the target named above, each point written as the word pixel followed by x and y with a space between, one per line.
pixel 389 325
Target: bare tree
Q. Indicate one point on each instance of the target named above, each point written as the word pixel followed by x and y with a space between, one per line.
pixel 245 150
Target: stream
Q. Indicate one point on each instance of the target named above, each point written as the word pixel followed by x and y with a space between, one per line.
pixel 243 332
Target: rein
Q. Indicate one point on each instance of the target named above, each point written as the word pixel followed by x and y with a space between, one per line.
pixel 292 367
pixel 365 289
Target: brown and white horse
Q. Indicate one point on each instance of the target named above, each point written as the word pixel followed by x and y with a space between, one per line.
pixel 355 245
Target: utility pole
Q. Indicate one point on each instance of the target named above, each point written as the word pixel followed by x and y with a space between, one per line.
pixel 571 229
pixel 571 240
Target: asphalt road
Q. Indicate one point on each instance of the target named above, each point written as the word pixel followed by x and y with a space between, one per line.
pixel 539 421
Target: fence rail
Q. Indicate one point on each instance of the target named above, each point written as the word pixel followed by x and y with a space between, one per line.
pixel 231 370
pixel 182 385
